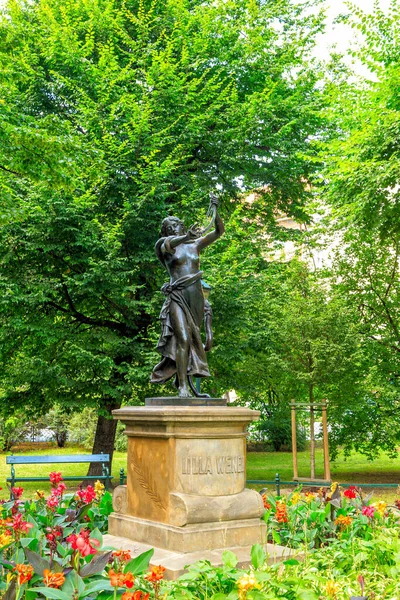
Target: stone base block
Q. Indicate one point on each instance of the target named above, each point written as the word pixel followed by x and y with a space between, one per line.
pixel 176 401
pixel 190 538
pixel 175 562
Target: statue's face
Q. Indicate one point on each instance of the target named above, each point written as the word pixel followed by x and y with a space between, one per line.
pixel 175 226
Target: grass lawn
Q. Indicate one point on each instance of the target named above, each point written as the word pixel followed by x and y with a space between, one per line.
pixel 260 465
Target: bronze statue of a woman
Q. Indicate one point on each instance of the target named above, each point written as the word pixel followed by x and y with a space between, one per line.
pixel 183 311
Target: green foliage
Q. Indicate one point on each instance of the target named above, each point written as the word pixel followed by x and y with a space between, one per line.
pixel 82 428
pixel 362 196
pixel 340 570
pixel 57 421
pixel 53 547
pixel 11 431
pixel 277 429
pixel 113 115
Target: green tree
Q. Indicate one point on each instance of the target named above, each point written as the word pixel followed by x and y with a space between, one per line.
pixel 114 114
pixel 287 336
pixel 362 197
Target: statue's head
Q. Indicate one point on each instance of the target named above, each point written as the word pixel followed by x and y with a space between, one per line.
pixel 172 226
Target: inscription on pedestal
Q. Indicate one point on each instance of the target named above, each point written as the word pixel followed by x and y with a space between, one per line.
pixel 210 465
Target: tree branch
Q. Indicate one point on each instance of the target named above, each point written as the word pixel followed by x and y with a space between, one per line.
pixel 11 171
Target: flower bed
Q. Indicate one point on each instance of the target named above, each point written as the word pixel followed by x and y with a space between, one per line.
pixel 316 519
pixel 52 547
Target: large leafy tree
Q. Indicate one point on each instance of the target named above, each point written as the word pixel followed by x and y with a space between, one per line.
pixel 363 196
pixel 114 114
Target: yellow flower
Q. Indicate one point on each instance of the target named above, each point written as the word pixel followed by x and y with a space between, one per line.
pixel 381 507
pixel 295 499
pixel 99 488
pixel 334 486
pixel 310 497
pixel 332 588
pixel 5 539
pixel 246 583
pixel 39 495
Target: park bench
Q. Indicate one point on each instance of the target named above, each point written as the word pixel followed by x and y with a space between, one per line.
pixel 104 459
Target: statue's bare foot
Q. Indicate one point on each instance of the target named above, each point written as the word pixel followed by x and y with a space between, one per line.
pixel 184 392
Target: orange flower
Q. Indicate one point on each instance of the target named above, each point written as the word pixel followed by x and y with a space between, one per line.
pixel 25 573
pixel 343 522
pixel 121 579
pixel 267 505
pixel 136 595
pixel 281 512
pixel 155 574
pixel 122 555
pixel 129 580
pixel 53 580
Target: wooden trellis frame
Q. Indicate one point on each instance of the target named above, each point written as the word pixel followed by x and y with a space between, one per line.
pixel 312 408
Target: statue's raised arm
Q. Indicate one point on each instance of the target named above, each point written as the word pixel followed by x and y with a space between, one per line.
pixel 219 228
pixel 183 311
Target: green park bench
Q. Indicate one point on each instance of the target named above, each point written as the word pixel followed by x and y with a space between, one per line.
pixel 104 459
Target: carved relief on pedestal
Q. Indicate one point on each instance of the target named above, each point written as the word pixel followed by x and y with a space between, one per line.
pixel 120 499
pixel 148 483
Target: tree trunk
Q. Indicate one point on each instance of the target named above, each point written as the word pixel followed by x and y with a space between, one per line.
pixel 104 438
pixel 312 434
pixel 61 438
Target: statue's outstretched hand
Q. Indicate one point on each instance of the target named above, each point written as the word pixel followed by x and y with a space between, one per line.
pixel 213 199
pixel 193 232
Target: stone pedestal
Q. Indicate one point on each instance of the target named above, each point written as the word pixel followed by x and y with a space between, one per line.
pixel 185 490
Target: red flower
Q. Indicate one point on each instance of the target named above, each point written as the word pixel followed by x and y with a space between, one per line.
pixel 52 502
pixel 59 490
pixel 19 525
pixel 351 492
pixel 52 536
pixel 55 478
pixel 155 574
pixel 87 495
pixel 17 492
pixel 368 511
pixel 83 542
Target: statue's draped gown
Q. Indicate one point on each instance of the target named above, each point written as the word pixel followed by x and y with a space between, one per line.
pixel 187 293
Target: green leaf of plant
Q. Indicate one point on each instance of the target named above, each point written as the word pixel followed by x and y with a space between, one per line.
pixel 31 543
pixel 96 565
pixel 139 564
pixel 98 586
pixel 52 593
pixel 292 562
pixel 62 550
pixel 229 559
pixel 306 595
pixel 258 556
pixel 277 537
pixel 96 535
